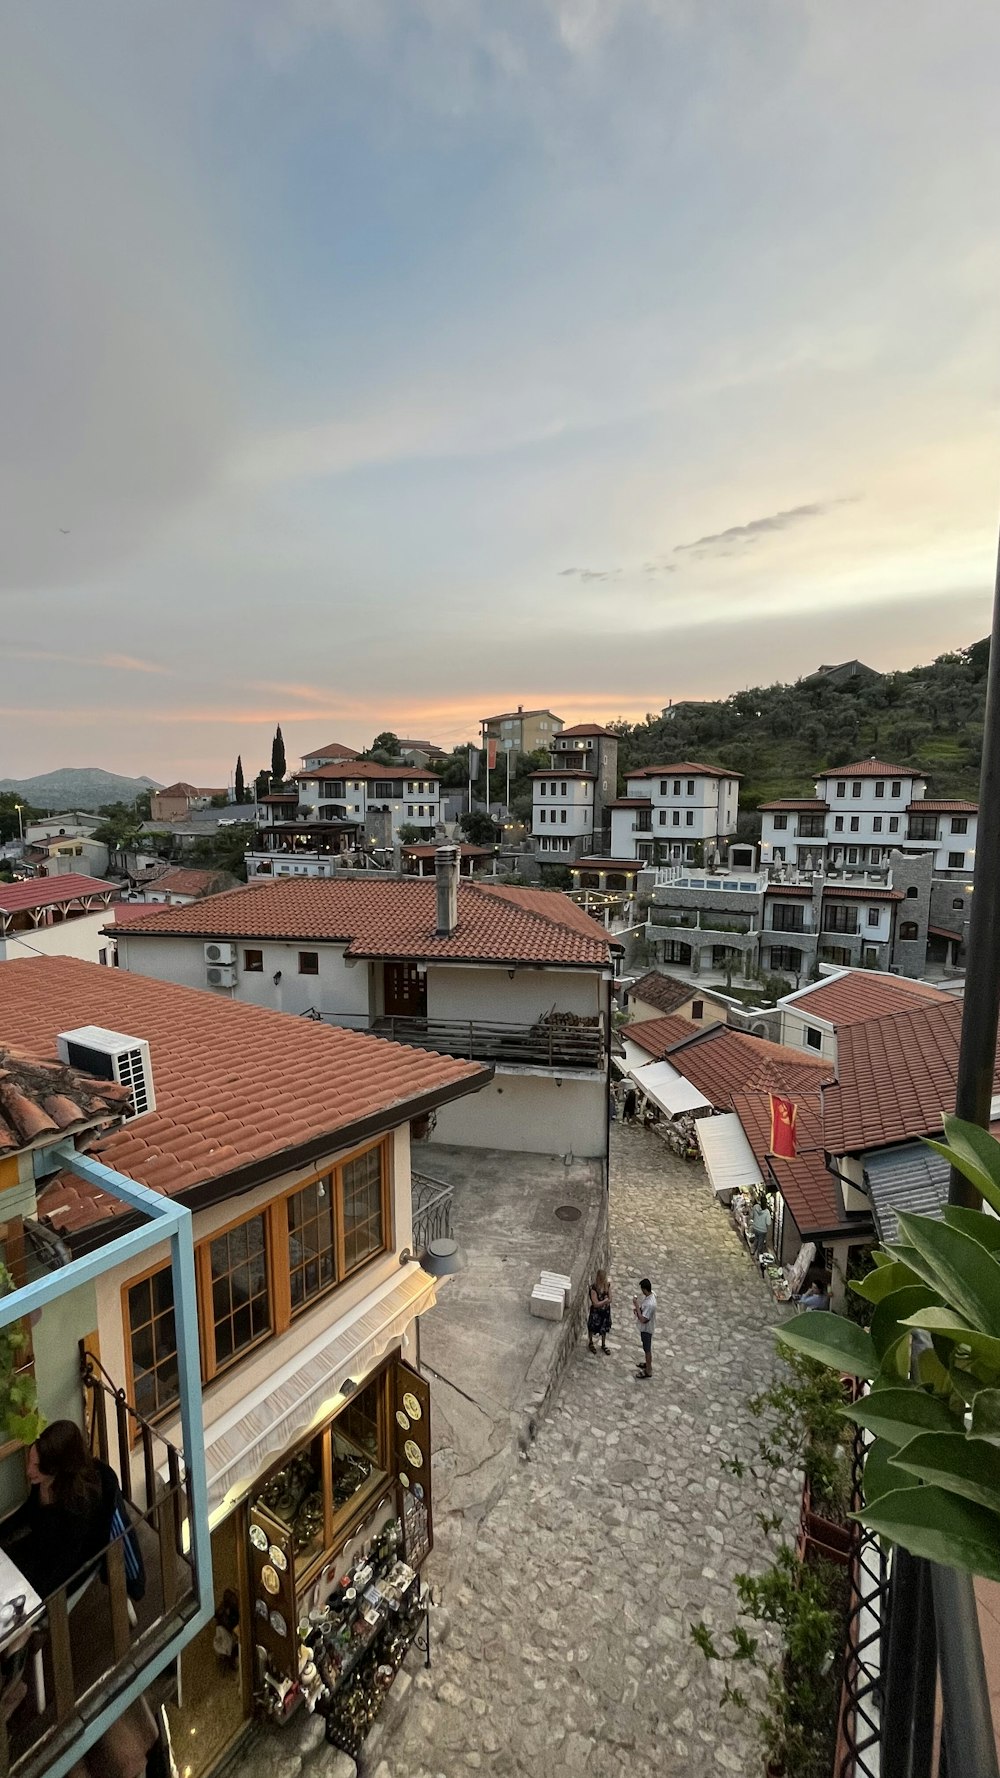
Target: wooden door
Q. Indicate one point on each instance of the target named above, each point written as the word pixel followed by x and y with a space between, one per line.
pixel 405 991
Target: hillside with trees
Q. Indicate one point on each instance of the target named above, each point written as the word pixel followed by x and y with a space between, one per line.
pixel 780 736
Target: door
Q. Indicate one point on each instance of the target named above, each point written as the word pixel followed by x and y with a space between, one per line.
pixel 405 992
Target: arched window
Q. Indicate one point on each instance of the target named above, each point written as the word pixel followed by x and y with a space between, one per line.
pixel 908 929
pixel 912 890
pixel 958 902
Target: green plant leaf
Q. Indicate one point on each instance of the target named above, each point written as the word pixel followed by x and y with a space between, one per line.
pixel 899 1411
pixel 890 1317
pixel 933 1373
pixel 831 1340
pixel 929 1522
pixel 975 1153
pixel 986 1415
pixel 967 1273
pixel 879 1479
pixel 892 1275
pixel 966 1466
pixel 947 1325
pixel 916 1263
pixel 982 1227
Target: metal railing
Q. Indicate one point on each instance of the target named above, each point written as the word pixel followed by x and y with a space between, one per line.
pixel 87 1642
pixel 545 1044
pixel 432 1200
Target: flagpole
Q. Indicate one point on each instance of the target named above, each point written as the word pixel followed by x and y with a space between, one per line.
pixel 486 744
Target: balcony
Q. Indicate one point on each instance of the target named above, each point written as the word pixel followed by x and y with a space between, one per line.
pixel 558 1040
pixel 432 1201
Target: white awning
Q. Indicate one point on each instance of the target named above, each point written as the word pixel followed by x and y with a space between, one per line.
pixel 728 1157
pixel 305 1391
pixel 662 1084
pixel 635 1056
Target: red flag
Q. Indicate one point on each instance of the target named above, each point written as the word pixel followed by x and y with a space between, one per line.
pixel 491 755
pixel 784 1117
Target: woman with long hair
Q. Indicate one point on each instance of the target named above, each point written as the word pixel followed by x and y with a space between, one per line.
pixel 65 1523
pixel 599 1312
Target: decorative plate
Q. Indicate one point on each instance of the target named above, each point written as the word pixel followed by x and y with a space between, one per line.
pixel 418 1490
pixel 258 1537
pixel 261 1607
pixel 401 1420
pixel 414 1454
pixel 278 1557
pixel 404 1480
pixel 278 1624
pixel 270 1578
pixel 412 1406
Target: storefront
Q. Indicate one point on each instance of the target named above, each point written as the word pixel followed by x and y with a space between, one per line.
pixel 321 1596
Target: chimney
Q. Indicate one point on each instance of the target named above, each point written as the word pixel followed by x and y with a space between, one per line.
pixel 446 868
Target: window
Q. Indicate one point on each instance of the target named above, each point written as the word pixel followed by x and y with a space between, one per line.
pixel 960 824
pixel 857 787
pixel 663 786
pixel 912 891
pixel 663 817
pixel 840 919
pixel 780 822
pixel 876 824
pixel 923 827
pixel 896 787
pixel 309 963
pixel 697 1009
pixel 785 918
pixel 814 1038
pixel 240 1299
pixel 690 787
pixel 852 854
pixel 841 788
pixel 880 787
pixel 958 903
pixel 362 1208
pixel 956 860
pixel 541 815
pixel 562 788
pixel 855 823
pixel 153 1344
pixel 311 1241
pixel 689 818
pixel 893 823
pixel 838 824
pixel 562 815
pixel 253 962
pixel 779 854
pixel 409 810
pixel 908 929
pixel 677 787
pixel 784 957
pixel 676 821
pixel 874 916
pixel 812 827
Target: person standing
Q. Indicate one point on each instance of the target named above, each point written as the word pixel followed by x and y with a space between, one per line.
pixel 599 1312
pixel 644 1306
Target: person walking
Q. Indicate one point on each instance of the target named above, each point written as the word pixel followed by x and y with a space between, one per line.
pixel 599 1312
pixel 644 1307
pixel 630 1105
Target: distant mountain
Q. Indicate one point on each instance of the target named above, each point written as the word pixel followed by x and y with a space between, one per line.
pixel 77 787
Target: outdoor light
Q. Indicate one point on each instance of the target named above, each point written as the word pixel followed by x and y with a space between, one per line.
pixel 348 1386
pixel 443 1258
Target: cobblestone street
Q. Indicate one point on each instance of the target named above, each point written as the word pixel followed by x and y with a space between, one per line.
pixel 567 1650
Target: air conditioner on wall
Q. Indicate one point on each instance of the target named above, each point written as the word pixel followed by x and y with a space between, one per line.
pixel 220 952
pixel 111 1055
pixel 221 975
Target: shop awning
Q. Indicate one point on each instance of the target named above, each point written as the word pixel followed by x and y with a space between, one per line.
pixel 669 1090
pixel 728 1157
pixel 305 1391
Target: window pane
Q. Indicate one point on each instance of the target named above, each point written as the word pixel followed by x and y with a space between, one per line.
pixel 240 1299
pixel 153 1344
pixel 310 1241
pixel 361 1187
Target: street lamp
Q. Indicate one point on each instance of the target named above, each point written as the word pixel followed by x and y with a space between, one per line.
pixel 20 822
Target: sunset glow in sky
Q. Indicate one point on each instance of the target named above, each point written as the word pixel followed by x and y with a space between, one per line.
pixel 383 363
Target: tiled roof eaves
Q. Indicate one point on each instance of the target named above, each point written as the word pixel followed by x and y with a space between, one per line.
pixel 933 805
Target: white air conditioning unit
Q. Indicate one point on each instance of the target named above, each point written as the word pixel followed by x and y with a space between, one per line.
pixel 220 953
pixel 221 975
pixel 111 1055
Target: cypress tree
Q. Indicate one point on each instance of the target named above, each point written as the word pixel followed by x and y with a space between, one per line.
pixel 278 757
pixel 240 787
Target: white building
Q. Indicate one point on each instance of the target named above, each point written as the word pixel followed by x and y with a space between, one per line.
pixel 328 755
pixel 328 810
pixel 860 814
pixel 675 814
pixel 59 916
pixel 518 977
pixel 572 797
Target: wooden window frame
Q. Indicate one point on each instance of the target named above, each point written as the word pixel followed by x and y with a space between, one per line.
pixel 312 972
pixel 253 968
pixel 210 1365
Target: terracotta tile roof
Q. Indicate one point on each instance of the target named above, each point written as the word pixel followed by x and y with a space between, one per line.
pixel 665 992
pixel 512 715
pixel 660 1036
pixel 429 850
pixel 679 768
pixel 724 1062
pixel 41 1102
pixel 126 913
pixel 365 769
pixel 422 746
pixel 801 802
pixel 618 864
pixel 588 728
pixel 811 1193
pixel 335 750
pixel 178 789
pixel 895 1077
pixel 43 892
pixel 940 806
pixel 861 994
pixel 397 918
pixel 837 892
pixel 802 889
pixel 943 932
pixel 631 802
pixel 179 880
pixel 237 1087
pixel 868 768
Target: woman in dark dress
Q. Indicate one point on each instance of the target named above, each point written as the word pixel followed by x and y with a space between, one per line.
pixel 66 1520
pixel 599 1312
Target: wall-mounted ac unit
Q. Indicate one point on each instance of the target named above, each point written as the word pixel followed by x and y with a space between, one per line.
pixel 221 975
pixel 220 952
pixel 111 1055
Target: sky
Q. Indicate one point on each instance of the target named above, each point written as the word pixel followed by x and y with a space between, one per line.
pixel 387 363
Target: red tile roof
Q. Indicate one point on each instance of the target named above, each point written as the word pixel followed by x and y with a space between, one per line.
pixel 335 750
pixel 588 728
pixel 178 789
pixel 397 918
pixel 661 1036
pixel 42 1102
pixel 861 994
pixel 237 1087
pixel 895 1077
pixel 939 806
pixel 801 802
pixel 365 769
pixel 802 889
pixel 679 768
pixel 126 913
pixel 179 880
pixel 809 1190
pixel 868 768
pixel 837 891
pixel 43 892
pixel 724 1062
pixel 665 992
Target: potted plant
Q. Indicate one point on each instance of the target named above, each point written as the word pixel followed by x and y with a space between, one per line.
pixel 803 1410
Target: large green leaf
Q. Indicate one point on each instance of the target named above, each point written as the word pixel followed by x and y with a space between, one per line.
pixel 975 1153
pixel 890 1276
pixel 929 1522
pixel 916 1263
pixel 879 1478
pixel 831 1340
pixel 983 1227
pixel 986 1415
pixel 960 1465
pixel 898 1412
pixel 968 1275
pixel 890 1317
pixel 935 1320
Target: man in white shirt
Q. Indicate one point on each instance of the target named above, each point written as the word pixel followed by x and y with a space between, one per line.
pixel 644 1306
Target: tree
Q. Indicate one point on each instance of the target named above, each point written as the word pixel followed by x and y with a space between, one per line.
pixel 224 850
pixel 479 829
pixel 10 826
pixel 386 743
pixel 278 757
pixel 409 833
pixel 121 829
pixel 240 786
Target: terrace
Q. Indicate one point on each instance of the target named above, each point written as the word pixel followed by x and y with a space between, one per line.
pixel 557 1040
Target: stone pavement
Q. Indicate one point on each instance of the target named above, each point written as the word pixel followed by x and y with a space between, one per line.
pixel 567 1652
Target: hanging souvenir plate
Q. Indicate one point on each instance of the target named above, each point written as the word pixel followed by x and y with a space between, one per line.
pixel 404 1480
pixel 278 1557
pixel 258 1537
pixel 414 1454
pixel 418 1491
pixel 401 1420
pixel 270 1578
pixel 278 1624
pixel 261 1607
pixel 412 1406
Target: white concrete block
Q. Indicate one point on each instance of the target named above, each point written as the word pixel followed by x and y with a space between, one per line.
pixel 550 1304
pixel 558 1281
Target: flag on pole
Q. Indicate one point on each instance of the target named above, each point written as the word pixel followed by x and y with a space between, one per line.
pixel 491 754
pixel 784 1117
pixel 473 762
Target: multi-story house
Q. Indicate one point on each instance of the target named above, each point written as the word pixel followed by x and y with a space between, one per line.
pixel 521 730
pixel 305 828
pixel 179 800
pixel 265 1396
pixel 518 977
pixel 325 756
pixel 675 814
pixel 572 797
pixel 863 812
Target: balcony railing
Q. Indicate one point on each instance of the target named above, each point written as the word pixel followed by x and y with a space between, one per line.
pixel 85 1645
pixel 547 1043
pixel 432 1200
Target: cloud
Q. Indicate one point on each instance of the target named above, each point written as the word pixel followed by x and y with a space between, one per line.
pixel 738 538
pixel 119 663
pixel 592 573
